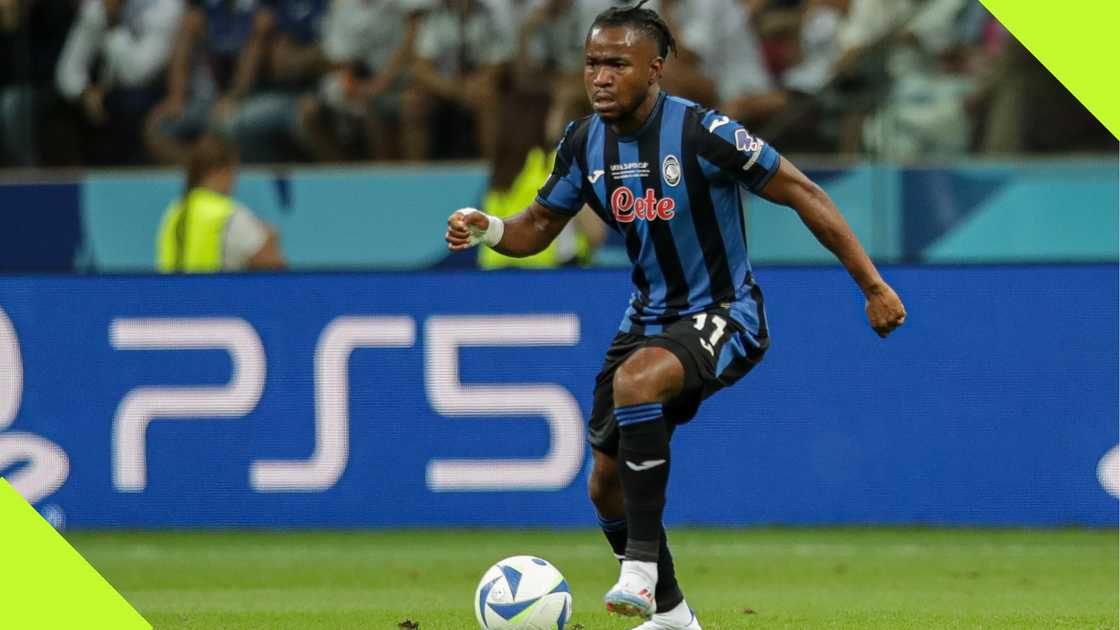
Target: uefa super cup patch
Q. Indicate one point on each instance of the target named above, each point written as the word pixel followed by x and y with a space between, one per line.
pixel 629 169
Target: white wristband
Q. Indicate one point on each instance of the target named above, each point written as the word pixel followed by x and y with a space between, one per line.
pixel 492 235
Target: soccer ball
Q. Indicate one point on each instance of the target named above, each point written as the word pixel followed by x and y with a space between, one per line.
pixel 522 593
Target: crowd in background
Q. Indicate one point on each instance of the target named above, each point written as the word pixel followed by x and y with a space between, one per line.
pixel 133 82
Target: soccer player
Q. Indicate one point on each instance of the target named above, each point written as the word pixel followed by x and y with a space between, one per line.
pixel 667 174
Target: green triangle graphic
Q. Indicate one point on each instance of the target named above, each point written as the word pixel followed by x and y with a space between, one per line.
pixel 45 584
pixel 1077 43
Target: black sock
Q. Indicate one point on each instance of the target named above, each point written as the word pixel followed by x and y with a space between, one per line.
pixel 668 592
pixel 615 531
pixel 644 469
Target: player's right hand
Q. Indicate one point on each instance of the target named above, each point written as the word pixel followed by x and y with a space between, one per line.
pixel 462 226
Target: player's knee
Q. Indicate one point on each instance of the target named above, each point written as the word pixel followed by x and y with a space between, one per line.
pixel 633 384
pixel 638 381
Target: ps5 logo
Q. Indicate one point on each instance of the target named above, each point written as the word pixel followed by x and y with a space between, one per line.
pixel 445 335
pixel 41 467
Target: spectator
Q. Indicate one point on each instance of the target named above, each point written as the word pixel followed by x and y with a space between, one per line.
pixel 369 45
pixel 685 75
pixel 817 51
pixel 460 53
pixel 33 129
pixel 273 122
pixel 207 230
pixel 129 43
pixel 218 48
pixel 222 59
pixel 1021 107
pixel 719 60
pixel 922 114
pixel 808 102
pixel 724 36
pixel 550 35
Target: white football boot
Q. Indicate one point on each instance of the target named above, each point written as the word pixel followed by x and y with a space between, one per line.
pixel 633 595
pixel 679 618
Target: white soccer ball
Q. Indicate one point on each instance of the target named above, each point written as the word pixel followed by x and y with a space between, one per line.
pixel 523 593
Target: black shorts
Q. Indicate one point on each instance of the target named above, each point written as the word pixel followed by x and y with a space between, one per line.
pixel 714 350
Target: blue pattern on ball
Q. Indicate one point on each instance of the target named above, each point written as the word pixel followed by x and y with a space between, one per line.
pixel 509 611
pixel 513 577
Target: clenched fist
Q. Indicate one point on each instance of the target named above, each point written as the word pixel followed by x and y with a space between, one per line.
pixel 466 227
pixel 885 311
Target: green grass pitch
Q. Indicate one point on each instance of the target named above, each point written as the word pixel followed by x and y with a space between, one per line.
pixel 734 578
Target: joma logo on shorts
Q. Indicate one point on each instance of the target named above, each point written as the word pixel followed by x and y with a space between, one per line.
pixel 627 207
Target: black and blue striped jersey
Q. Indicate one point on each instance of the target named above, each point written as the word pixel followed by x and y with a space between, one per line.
pixel 674 191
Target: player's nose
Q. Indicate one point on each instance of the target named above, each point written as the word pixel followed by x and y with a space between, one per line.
pixel 601 77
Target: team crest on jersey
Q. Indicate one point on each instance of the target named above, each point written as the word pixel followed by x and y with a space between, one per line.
pixel 671 169
pixel 627 207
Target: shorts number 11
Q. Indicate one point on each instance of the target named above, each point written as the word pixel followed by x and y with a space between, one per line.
pixel 718 323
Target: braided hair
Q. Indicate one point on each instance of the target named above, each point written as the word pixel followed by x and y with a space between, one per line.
pixel 645 20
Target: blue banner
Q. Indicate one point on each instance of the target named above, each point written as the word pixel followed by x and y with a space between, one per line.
pixel 452 399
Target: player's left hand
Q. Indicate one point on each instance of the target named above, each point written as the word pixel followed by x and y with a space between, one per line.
pixel 884 309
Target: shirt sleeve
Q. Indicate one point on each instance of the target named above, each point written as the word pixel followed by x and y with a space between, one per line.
pixel 416 6
pixel 496 48
pixel 245 236
pixel 937 25
pixel 739 61
pixel 867 21
pixel 562 191
pixel 727 149
pixel 428 40
pixel 72 74
pixel 340 28
pixel 136 55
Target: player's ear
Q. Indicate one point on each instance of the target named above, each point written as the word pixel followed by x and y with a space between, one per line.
pixel 655 68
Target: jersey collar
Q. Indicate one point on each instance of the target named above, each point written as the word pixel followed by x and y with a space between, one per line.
pixel 649 121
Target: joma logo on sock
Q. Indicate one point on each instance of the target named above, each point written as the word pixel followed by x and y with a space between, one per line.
pixel 646 465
